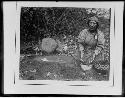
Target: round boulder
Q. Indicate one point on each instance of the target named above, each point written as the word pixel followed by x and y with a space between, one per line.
pixel 48 45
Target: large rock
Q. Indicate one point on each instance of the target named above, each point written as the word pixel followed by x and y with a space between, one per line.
pixel 48 45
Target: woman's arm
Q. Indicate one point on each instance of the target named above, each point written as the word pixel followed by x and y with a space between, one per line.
pixel 81 41
pixel 100 43
pixel 82 36
pixel 99 47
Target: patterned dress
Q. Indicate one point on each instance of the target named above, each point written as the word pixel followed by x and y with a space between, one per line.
pixel 89 42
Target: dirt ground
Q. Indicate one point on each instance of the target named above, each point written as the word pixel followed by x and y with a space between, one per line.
pixel 57 68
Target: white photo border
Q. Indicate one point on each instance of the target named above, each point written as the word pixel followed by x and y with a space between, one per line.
pixel 12 83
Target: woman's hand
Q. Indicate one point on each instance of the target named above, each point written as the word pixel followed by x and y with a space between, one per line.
pixel 92 58
pixel 96 52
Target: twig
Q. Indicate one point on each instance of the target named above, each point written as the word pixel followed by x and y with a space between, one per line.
pixel 62 15
pixel 45 22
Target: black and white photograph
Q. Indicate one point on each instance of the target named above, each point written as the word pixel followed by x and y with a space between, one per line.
pixel 63 44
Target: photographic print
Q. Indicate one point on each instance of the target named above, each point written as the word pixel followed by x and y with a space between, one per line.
pixel 63 48
pixel 64 43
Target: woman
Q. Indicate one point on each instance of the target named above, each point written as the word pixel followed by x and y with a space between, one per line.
pixel 91 41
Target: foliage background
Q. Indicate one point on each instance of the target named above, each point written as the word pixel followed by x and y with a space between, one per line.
pixel 37 23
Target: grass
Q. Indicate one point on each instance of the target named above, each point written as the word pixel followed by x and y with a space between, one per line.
pixel 32 69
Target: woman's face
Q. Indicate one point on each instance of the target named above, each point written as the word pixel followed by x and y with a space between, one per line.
pixel 92 24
